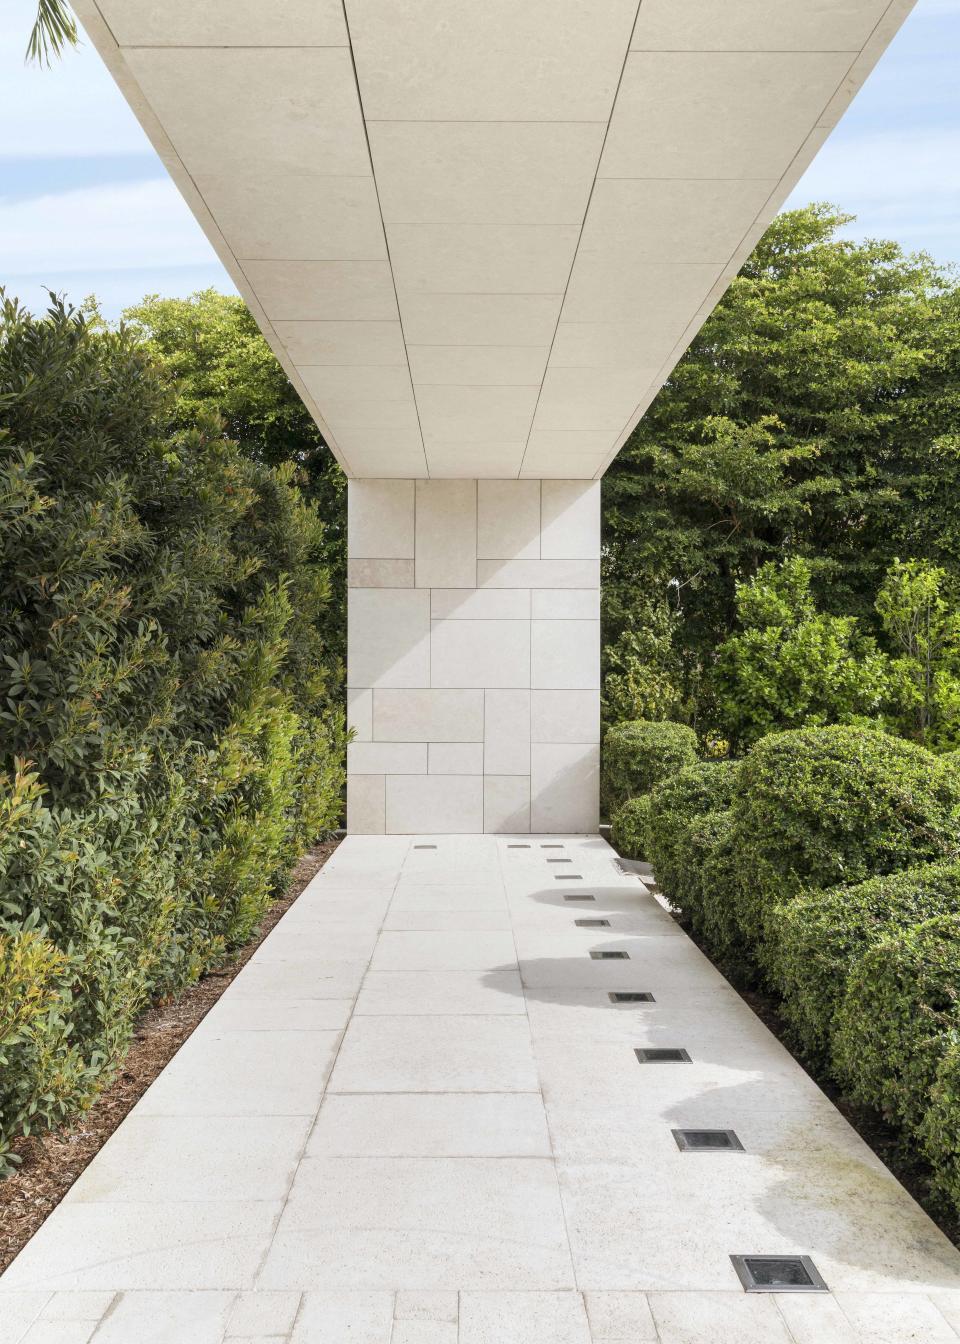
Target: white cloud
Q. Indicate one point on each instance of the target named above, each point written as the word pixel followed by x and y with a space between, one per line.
pixel 102 228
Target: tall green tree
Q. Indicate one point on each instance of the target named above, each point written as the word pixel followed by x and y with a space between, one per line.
pixel 789 665
pixel 167 741
pixel 218 361
pixel 814 414
pixel 920 609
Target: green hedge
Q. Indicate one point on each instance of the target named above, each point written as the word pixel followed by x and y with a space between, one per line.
pixel 817 938
pixel 939 1130
pixel 720 925
pixel 628 828
pixel 895 1021
pixel 169 740
pixel 820 807
pixel 676 805
pixel 638 755
pixel 828 861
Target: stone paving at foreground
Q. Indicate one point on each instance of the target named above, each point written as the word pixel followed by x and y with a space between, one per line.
pixel 417 1117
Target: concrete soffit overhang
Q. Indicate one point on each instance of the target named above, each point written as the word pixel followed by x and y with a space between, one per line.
pixel 478 237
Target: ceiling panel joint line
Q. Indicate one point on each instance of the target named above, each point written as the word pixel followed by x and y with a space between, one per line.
pixel 386 240
pixel 576 251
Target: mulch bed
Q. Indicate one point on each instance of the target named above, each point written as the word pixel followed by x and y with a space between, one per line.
pixel 52 1162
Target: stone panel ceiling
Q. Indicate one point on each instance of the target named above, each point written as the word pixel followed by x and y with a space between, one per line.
pixel 479 236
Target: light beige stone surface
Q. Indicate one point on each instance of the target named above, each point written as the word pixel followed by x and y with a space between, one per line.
pixel 428 715
pixel 331 1317
pixel 608 167
pixel 427 1307
pixel 392 993
pixel 506 804
pixel 156 1318
pixel 508 520
pixel 488 1162
pixel 367 804
pixel 565 604
pixel 492 654
pixel 480 604
pixel 388 637
pixel 291 23
pixel 565 655
pixel 498 172
pixel 446 534
pixel 456 758
pixel 523 1318
pixel 436 1054
pixel 442 674
pixel 447 804
pixel 479 1124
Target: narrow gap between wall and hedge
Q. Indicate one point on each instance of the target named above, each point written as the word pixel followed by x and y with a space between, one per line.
pixel 821 874
pixel 51 1162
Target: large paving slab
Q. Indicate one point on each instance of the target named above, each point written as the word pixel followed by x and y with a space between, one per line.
pixel 417 1117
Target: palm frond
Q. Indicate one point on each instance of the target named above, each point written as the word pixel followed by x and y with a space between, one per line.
pixel 54 29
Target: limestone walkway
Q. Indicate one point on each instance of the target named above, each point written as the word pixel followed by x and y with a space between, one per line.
pixel 418 1117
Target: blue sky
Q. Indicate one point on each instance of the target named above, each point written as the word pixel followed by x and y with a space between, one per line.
pixel 87 207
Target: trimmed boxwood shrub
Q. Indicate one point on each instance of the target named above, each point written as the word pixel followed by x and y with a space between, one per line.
pixel 940 1127
pixel 628 829
pixel 169 741
pixel 820 807
pixel 695 846
pixel 675 804
pixel 720 926
pixel 638 754
pixel 816 939
pixel 899 1010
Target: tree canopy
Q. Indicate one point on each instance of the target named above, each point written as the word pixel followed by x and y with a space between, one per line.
pixel 218 361
pixel 814 415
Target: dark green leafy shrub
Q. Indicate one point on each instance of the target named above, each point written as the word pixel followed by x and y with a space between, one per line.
pixel 820 807
pixel 628 829
pixel 695 847
pixel 940 1127
pixel 167 738
pixel 789 665
pixel 675 805
pixel 895 1021
pixel 816 939
pixel 719 924
pixel 637 755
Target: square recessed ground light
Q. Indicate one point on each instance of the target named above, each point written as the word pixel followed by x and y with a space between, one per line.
pixel 707 1141
pixel 568 877
pixel 662 1054
pixel 631 996
pixel 518 846
pixel 778 1274
pixel 578 896
pixel 424 846
pixel 610 956
pixel 592 923
pixel 551 846
pixel 559 860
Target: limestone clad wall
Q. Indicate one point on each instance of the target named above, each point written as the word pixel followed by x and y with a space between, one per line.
pixel 473 663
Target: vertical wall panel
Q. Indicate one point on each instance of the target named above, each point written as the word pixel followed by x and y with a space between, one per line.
pixel 477 707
